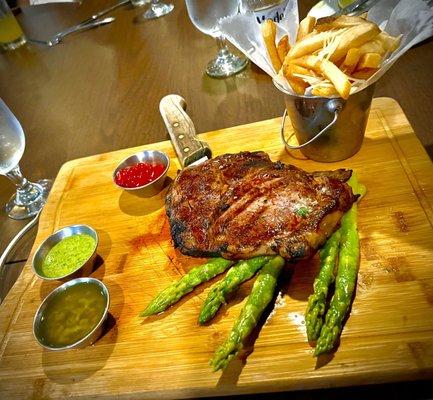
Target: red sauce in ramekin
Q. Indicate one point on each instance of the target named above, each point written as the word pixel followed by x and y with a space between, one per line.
pixel 138 174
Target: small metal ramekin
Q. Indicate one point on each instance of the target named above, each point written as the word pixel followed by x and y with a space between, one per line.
pixel 145 156
pixel 92 336
pixel 43 249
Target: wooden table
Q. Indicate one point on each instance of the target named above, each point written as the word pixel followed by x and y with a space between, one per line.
pixel 99 91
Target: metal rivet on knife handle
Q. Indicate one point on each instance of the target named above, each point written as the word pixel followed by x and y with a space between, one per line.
pixel 182 131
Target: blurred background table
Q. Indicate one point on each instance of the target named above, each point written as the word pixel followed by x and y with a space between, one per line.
pixel 99 90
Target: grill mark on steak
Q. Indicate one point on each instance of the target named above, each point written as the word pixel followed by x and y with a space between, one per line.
pixel 242 205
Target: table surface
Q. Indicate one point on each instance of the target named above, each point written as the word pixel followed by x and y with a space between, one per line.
pixel 99 90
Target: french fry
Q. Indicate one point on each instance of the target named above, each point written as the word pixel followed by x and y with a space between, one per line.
pixel 309 62
pixel 373 46
pixel 390 43
pixel 337 77
pixel 290 69
pixel 329 70
pixel 283 47
pixel 311 43
pixel 355 36
pixel 306 26
pixel 369 60
pixel 298 84
pixel 364 73
pixel 269 31
pixel 331 53
pixel 344 21
pixel 338 63
pixel 324 90
pixel 324 24
pixel 352 56
pixel 351 60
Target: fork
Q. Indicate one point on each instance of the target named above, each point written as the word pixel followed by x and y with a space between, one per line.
pixel 58 37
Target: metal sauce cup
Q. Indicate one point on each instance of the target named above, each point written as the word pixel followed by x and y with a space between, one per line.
pixel 89 338
pixel 327 129
pixel 82 270
pixel 146 156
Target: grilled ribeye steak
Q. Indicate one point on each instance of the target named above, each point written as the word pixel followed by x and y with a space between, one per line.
pixel 242 205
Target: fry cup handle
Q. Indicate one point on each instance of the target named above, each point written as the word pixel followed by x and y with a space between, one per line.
pixel 333 106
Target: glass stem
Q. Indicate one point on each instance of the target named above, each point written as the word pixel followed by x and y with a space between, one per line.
pixel 17 177
pixel 26 191
pixel 223 50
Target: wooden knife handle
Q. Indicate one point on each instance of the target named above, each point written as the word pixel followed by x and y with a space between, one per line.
pixel 182 131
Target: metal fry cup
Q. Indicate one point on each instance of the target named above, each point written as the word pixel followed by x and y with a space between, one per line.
pixel 327 129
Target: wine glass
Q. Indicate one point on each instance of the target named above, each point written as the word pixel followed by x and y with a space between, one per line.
pixel 204 14
pixel 29 197
pixel 157 9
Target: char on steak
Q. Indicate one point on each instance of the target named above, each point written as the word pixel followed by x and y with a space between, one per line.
pixel 243 205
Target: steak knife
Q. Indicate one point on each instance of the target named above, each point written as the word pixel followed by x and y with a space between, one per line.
pixel 189 149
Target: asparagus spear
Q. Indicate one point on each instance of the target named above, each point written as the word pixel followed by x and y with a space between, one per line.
pixel 345 282
pixel 317 301
pixel 186 284
pixel 236 275
pixel 260 296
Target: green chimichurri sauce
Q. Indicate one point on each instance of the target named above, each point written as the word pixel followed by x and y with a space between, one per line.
pixel 72 314
pixel 67 255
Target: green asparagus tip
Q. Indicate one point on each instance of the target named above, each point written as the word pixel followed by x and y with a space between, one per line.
pixel 217 363
pixel 144 313
pixel 322 349
pixel 150 310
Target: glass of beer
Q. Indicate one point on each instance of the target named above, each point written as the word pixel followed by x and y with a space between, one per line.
pixel 11 34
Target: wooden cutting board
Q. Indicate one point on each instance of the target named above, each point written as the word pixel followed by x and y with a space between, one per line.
pixel 388 337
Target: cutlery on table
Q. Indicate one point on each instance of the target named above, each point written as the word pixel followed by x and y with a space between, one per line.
pixel 99 14
pixel 58 37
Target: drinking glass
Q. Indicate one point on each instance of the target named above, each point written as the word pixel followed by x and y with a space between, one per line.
pixel 11 34
pixel 29 197
pixel 205 14
pixel 157 9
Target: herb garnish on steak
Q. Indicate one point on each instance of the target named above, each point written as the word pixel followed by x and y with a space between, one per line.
pixel 243 205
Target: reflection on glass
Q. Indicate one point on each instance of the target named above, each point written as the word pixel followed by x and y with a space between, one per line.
pixel 29 197
pixel 157 9
pixel 204 14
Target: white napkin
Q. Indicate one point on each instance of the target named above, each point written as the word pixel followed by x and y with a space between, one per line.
pixel 411 18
